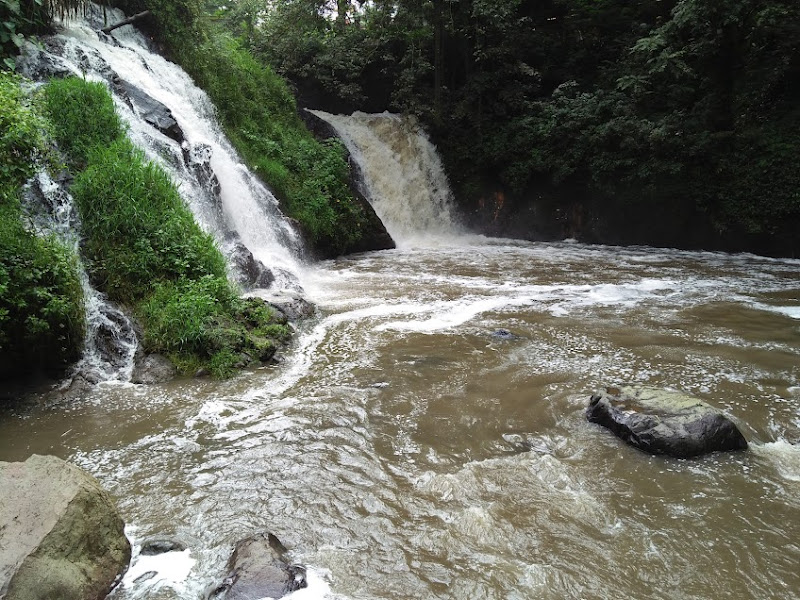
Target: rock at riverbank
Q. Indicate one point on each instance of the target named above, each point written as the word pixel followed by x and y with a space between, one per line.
pixel 664 422
pixel 258 569
pixel 60 534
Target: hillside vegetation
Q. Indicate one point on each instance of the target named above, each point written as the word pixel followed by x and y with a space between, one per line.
pixel 628 112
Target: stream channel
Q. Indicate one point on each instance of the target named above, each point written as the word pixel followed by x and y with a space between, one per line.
pixel 408 448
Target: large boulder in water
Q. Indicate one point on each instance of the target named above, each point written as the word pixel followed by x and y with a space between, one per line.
pixel 60 534
pixel 258 569
pixel 664 422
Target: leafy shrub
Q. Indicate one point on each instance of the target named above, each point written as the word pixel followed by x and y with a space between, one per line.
pixel 20 138
pixel 41 298
pixel 42 311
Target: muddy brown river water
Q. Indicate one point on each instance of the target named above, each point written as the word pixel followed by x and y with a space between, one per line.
pixel 405 449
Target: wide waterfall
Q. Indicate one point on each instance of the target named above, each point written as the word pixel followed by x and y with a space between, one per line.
pixel 173 122
pixel 402 176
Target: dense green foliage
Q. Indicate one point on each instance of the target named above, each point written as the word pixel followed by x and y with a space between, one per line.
pixel 143 247
pixel 260 117
pixel 41 299
pixel 19 18
pixel 688 102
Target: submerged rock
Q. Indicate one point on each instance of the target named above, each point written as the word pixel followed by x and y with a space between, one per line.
pixel 60 534
pixel 664 422
pixel 161 546
pixel 504 334
pixel 258 569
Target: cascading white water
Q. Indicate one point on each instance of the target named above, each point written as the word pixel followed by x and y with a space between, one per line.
pixel 403 177
pixel 111 341
pixel 226 198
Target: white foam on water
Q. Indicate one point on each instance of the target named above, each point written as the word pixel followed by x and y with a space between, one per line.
pixel 170 569
pixel 784 455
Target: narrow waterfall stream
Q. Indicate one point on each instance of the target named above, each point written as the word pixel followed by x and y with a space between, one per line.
pixel 408 449
pixel 111 341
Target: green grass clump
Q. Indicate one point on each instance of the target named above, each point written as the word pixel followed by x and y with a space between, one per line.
pixel 41 299
pixel 207 320
pixel 144 248
pixel 82 116
pixel 137 227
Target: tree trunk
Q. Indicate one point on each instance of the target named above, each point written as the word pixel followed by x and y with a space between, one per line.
pixel 127 21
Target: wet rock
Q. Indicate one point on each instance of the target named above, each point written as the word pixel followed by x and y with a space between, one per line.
pixel 42 62
pixel 153 368
pixel 504 334
pixel 150 109
pixel 161 546
pixel 664 422
pixel 258 569
pixel 197 158
pixel 295 308
pixel 252 272
pixel 60 534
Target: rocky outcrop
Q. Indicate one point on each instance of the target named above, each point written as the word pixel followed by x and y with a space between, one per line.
pixel 60 534
pixel 258 569
pixel 252 273
pixel 292 307
pixel 664 422
pixel 151 110
pixel 153 368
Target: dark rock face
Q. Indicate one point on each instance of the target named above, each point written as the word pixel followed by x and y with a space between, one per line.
pixel 150 109
pixel 258 569
pixel 153 368
pixel 664 422
pixel 60 534
pixel 252 272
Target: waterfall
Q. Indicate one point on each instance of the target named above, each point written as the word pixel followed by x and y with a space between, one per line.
pixel 402 175
pixel 110 344
pixel 173 122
